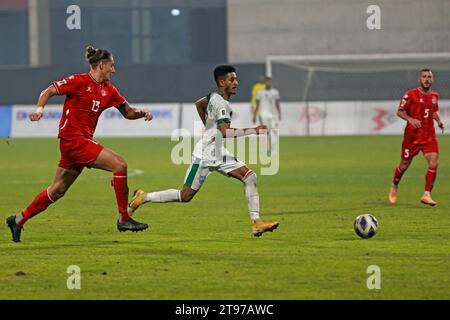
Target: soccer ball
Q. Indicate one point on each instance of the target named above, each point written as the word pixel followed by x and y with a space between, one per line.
pixel 366 226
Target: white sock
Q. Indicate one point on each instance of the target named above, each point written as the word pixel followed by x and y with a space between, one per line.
pixel 254 216
pixel 251 193
pixel 170 195
pixel 427 193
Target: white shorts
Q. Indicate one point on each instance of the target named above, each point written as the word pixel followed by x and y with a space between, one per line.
pixel 198 171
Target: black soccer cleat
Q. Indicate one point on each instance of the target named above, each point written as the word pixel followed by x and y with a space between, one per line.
pixel 131 225
pixel 15 229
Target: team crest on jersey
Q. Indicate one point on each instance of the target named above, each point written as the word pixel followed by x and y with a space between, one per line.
pixel 433 101
pixel 421 100
pixel 103 92
pixel 223 112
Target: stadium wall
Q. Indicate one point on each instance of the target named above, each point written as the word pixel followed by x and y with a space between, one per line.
pixel 299 119
pixel 258 28
pixel 140 83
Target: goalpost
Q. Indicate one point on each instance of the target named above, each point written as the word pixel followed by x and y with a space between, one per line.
pixel 353 77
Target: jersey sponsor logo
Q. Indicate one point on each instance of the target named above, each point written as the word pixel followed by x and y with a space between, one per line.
pixel 89 89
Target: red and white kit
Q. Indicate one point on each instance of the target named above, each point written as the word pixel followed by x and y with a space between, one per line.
pixel 421 106
pixel 85 100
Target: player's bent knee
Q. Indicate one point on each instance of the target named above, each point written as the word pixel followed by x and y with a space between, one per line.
pixel 186 199
pixel 186 196
pixel 250 177
pixel 120 165
pixel 404 165
pixel 57 192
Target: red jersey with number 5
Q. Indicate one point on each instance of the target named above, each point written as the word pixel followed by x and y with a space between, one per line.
pixel 85 100
pixel 421 106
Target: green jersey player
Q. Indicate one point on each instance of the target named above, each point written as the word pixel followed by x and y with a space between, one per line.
pixel 210 154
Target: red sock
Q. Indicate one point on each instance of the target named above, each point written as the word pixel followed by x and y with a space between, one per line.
pixel 398 173
pixel 429 179
pixel 39 204
pixel 121 189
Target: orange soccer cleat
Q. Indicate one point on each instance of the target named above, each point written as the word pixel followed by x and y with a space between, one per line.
pixel 136 201
pixel 426 199
pixel 393 194
pixel 260 227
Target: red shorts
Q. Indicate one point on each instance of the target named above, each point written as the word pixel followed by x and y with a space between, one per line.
pixel 78 153
pixel 410 150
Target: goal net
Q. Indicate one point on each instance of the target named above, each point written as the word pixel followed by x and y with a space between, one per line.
pixel 323 79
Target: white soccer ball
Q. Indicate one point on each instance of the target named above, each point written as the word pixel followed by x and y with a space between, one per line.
pixel 366 226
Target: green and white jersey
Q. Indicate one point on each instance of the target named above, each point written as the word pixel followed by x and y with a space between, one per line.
pixel 210 149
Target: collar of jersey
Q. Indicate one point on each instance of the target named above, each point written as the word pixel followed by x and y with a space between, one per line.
pixel 92 78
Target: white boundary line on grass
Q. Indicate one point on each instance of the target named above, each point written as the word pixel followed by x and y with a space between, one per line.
pixel 134 172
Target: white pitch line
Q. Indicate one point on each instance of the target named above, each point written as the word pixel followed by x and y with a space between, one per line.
pixel 134 172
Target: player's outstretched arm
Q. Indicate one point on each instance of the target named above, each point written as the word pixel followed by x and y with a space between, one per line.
pixel 44 97
pixel 133 113
pixel 228 132
pixel 201 105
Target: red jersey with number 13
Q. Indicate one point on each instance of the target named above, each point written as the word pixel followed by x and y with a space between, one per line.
pixel 421 106
pixel 85 100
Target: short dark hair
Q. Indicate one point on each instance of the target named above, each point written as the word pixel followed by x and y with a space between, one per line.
pixel 94 56
pixel 425 70
pixel 221 71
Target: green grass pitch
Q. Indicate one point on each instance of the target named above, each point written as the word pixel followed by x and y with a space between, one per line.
pixel 204 249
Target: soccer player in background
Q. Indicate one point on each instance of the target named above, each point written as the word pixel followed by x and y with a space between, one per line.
pixel 269 112
pixel 419 107
pixel 259 84
pixel 210 154
pixel 87 96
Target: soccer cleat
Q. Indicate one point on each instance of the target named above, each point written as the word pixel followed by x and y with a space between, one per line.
pixel 131 225
pixel 15 229
pixel 136 201
pixel 260 227
pixel 393 194
pixel 426 199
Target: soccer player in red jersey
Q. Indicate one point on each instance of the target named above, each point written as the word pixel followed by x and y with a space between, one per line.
pixel 419 107
pixel 87 96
